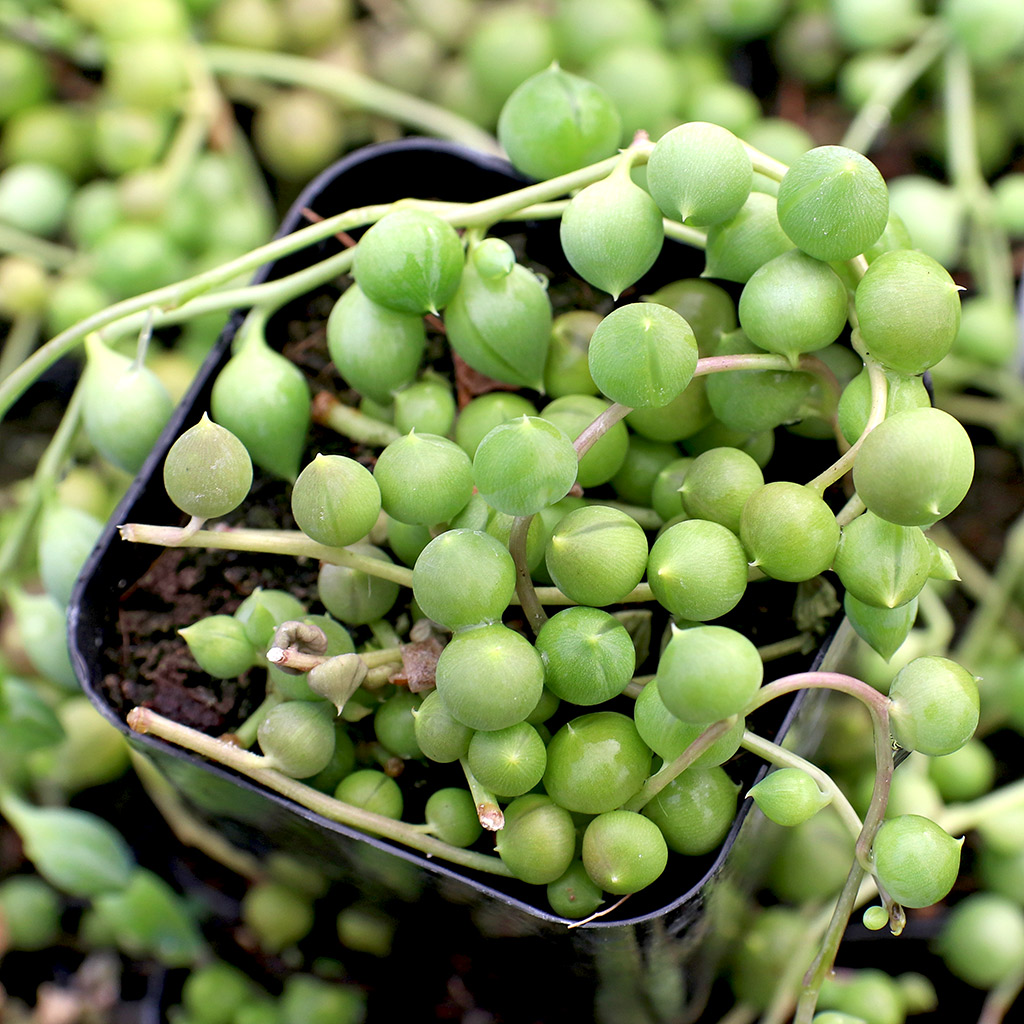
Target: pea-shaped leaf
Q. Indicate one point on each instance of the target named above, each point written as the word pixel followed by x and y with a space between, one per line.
pixel 793 304
pixel 884 629
pixel 643 355
pixel 524 465
pixel 699 173
pixel 263 399
pixel 220 646
pixel 908 310
pixel 375 349
pixel 612 232
pixel 934 705
pixel 410 261
pixel 423 479
pixel 833 203
pixel 789 796
pixel 881 563
pixel 916 860
pixel 335 500
pixel 125 406
pixel 538 840
pixel 749 239
pixel 915 467
pixel 490 677
pixel 708 673
pixel 208 471
pixel 556 122
pixel 596 762
pixel 501 326
pixel 464 578
pixel 789 532
pixel 623 851
pixel 755 400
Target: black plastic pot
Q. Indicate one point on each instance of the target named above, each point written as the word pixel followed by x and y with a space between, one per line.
pixel 260 820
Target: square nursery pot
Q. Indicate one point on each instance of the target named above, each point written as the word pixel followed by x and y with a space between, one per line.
pixel 129 602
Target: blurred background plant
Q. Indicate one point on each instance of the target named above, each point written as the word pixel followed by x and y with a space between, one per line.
pixel 142 141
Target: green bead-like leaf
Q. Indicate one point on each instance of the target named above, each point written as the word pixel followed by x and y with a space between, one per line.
pixel 410 261
pixel 298 737
pixel 881 563
pixel 793 304
pixel 755 400
pixel 464 578
pixel 556 122
pixel 375 349
pixel 697 569
pixel 915 467
pixel 699 173
pixel 884 629
pixel 789 532
pixel 908 310
pixel 423 479
pixel 208 471
pixel 643 355
pixel 708 673
pixel 833 203
pixel 749 239
pixel 538 840
pixel 789 796
pixel 125 407
pixel 66 537
pixel 934 706
pixel 501 326
pixel 623 851
pixel 263 399
pixel 612 232
pixel 524 465
pixel 149 919
pixel 335 500
pixel 490 677
pixel 916 860
pixel 220 645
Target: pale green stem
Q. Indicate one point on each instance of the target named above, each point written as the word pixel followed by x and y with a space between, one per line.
pixel 44 479
pixel 488 812
pixel 853 508
pixel 823 963
pixel 684 233
pixel 144 720
pixel 21 339
pixel 876 112
pixel 351 89
pixel 990 612
pixel 604 421
pixel 957 819
pixel 526 592
pixel 672 769
pixel 876 413
pixel 245 734
pixel 782 758
pixel 764 164
pixel 351 423
pixel 1001 999
pixel 21 243
pixel 988 249
pixel 940 623
pixel 822 966
pixel 783 648
pixel 271 542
